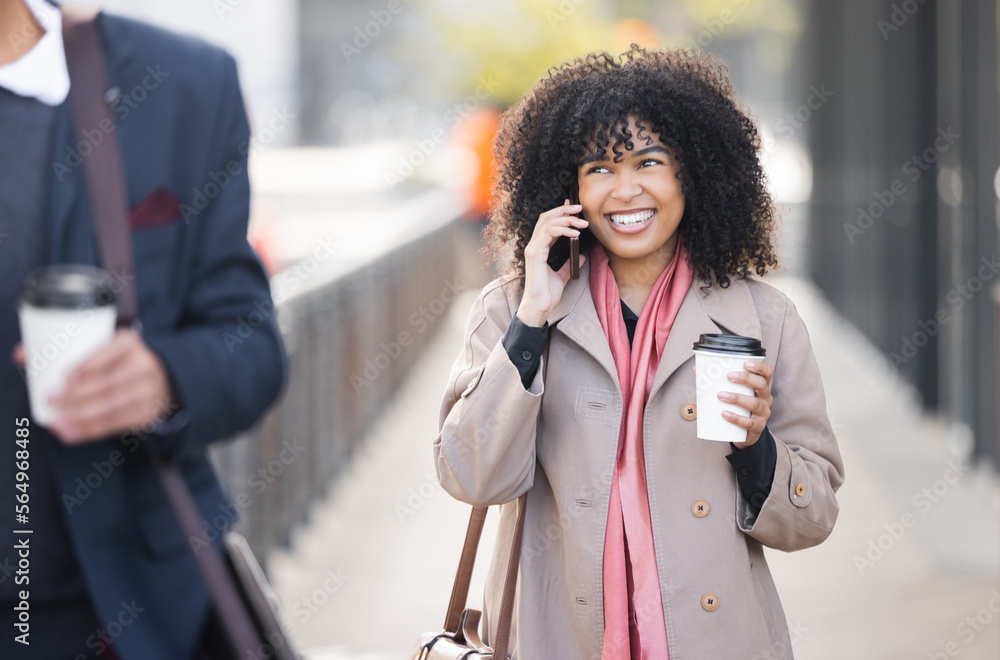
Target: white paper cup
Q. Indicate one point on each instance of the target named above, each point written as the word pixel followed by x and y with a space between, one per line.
pixel 715 357
pixel 66 313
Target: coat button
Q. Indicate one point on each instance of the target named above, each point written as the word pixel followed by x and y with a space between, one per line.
pixel 689 411
pixel 800 490
pixel 525 355
pixel 472 384
pixel 113 95
pixel 700 508
pixel 710 602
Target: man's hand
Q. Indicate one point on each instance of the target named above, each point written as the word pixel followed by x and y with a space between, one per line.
pixel 122 386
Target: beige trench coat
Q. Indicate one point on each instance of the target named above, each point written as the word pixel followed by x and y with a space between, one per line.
pixel 558 441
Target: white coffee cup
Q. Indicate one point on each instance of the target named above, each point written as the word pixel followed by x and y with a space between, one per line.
pixel 715 357
pixel 66 313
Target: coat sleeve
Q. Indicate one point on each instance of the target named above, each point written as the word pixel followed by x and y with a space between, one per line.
pixel 485 450
pixel 802 507
pixel 224 358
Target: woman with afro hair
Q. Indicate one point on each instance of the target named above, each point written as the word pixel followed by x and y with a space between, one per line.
pixel 641 540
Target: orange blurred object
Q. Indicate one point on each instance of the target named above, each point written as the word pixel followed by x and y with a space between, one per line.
pixel 476 132
pixel 633 30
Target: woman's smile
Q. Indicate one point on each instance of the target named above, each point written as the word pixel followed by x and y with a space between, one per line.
pixel 630 222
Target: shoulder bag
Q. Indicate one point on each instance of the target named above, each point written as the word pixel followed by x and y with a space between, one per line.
pixel 460 638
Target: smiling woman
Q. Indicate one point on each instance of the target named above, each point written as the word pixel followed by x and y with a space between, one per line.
pixel 590 106
pixel 633 206
pixel 588 390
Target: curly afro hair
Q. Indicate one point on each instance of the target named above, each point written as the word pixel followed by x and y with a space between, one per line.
pixel 685 99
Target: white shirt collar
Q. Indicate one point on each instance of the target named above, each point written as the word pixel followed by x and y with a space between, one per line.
pixel 41 72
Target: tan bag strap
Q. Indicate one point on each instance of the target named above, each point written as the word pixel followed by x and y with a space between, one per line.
pixel 460 590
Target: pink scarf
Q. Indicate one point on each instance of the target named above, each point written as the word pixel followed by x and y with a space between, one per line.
pixel 631 579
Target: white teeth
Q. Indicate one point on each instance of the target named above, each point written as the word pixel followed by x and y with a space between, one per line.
pixel 627 220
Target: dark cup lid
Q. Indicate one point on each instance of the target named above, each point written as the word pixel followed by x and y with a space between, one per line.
pixel 735 344
pixel 68 286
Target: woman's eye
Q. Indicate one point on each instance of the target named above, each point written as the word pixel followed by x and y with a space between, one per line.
pixel 649 161
pixel 596 169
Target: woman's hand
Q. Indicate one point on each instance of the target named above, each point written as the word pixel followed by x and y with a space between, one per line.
pixel 757 376
pixel 543 286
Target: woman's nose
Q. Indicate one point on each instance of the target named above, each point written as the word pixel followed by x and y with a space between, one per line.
pixel 626 188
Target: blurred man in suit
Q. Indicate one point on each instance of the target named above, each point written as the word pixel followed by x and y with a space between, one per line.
pixel 111 575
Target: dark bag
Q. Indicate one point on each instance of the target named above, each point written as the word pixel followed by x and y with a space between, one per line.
pixel 460 638
pixel 245 606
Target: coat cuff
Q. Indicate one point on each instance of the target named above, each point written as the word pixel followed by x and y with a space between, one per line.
pixel 524 345
pixel 754 467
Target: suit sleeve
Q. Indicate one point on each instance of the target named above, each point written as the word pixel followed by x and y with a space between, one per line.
pixel 802 507
pixel 485 451
pixel 225 359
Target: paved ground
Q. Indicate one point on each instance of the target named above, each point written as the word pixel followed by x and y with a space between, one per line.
pixel 910 571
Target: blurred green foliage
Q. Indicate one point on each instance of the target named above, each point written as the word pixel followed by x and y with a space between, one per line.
pixel 514 42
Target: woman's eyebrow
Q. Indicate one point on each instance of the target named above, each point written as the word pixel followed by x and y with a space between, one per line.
pixel 593 158
pixel 653 149
pixel 597 158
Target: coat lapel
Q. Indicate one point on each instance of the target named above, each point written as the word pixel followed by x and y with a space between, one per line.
pixel 576 317
pixel 702 312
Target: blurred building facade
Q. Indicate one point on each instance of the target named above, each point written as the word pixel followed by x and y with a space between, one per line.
pixel 263 38
pixel 905 197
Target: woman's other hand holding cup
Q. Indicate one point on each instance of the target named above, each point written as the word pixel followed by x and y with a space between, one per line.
pixel 757 376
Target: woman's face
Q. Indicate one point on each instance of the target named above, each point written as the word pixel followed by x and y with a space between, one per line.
pixel 634 206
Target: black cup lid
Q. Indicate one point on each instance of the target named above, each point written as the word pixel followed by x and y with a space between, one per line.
pixel 67 286
pixel 734 344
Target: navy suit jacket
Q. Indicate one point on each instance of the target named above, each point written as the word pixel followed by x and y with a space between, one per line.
pixel 206 311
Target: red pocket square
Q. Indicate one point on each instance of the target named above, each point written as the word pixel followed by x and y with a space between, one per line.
pixel 158 208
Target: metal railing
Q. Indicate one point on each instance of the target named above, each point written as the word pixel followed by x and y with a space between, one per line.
pixel 351 332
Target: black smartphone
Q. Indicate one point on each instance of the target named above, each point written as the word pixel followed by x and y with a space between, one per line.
pixel 566 248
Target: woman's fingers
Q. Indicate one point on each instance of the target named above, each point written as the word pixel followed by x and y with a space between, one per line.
pixel 553 225
pixel 757 377
pixel 757 383
pixel 756 405
pixel 565 214
pixel 740 420
pixel 542 285
pixel 762 369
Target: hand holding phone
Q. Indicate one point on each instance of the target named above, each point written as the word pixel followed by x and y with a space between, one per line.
pixel 545 269
pixel 566 249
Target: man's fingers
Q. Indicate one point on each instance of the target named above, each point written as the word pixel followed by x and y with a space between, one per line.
pixel 17 355
pixel 106 359
pixel 119 411
pixel 102 385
